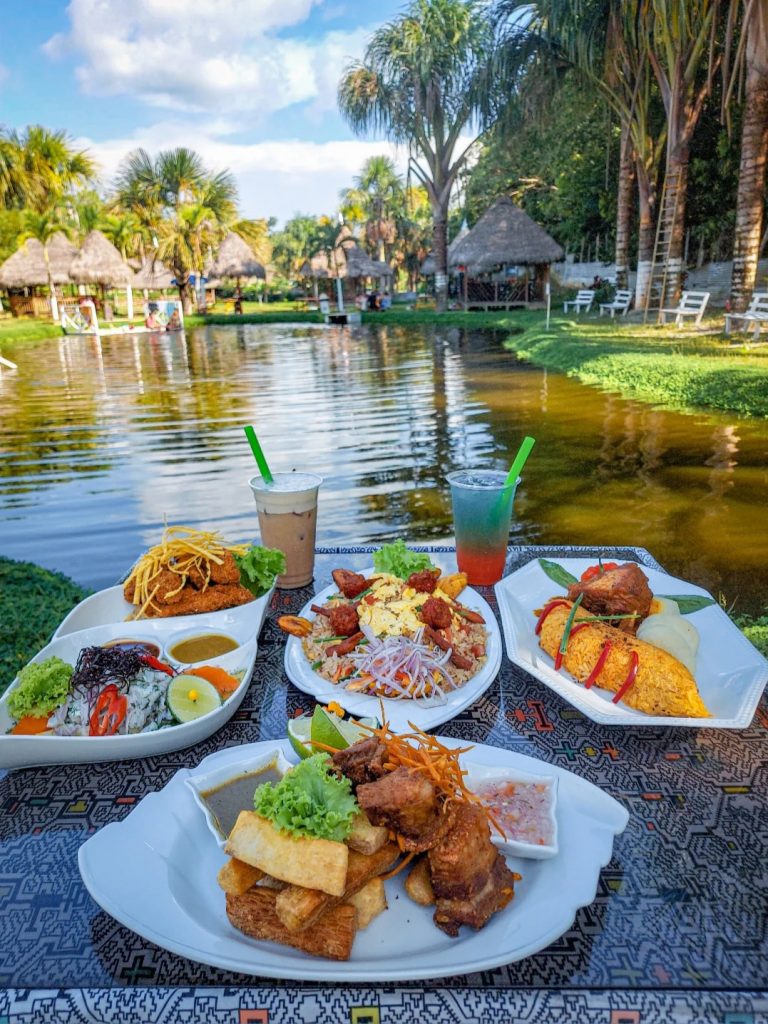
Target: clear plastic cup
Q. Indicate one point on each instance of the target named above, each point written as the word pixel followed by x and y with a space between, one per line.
pixel 482 511
pixel 287 511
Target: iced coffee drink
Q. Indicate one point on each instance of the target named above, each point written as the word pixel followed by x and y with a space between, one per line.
pixel 287 510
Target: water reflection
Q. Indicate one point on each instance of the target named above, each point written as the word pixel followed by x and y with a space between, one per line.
pixel 102 439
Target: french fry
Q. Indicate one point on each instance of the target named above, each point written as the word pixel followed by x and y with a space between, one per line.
pixel 253 912
pixel 369 902
pixel 365 837
pixel 298 908
pixel 418 884
pixel 299 860
pixel 237 877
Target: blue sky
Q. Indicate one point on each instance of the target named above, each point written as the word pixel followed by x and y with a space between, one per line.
pixel 250 84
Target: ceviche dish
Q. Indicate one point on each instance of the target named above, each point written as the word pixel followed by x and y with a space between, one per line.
pixel 116 689
pixel 400 632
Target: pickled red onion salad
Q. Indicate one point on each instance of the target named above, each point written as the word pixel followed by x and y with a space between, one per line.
pixel 398 667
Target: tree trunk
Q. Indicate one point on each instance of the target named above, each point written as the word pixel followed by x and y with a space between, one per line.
pixel 750 197
pixel 646 194
pixel 624 208
pixel 678 159
pixel 440 251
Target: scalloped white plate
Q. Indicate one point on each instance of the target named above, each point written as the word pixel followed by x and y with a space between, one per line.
pixel 424 713
pixel 730 674
pixel 155 873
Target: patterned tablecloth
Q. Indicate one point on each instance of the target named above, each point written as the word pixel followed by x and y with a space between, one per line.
pixel 677 930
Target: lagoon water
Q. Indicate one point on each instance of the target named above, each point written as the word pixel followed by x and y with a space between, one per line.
pixel 103 440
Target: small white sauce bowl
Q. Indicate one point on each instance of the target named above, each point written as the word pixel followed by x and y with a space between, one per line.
pixel 200 784
pixel 479 775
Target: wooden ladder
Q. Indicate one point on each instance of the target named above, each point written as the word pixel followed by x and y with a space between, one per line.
pixel 658 280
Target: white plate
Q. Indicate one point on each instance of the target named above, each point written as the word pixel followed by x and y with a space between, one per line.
pixel 23 751
pixel 730 673
pixel 108 606
pixel 424 713
pixel 155 873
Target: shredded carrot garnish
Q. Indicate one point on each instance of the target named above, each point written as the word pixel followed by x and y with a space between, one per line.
pixel 399 867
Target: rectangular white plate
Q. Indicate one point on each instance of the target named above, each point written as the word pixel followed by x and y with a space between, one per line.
pixel 155 873
pixel 730 673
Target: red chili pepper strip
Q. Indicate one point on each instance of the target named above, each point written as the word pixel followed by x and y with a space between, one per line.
pixel 547 609
pixel 631 676
pixel 597 570
pixel 160 666
pixel 108 712
pixel 559 656
pixel 592 678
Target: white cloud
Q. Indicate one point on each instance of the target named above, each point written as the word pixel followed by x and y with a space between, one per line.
pixel 207 56
pixel 275 178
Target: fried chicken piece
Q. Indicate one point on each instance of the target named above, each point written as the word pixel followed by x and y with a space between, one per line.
pixel 168 587
pixel 350 583
pixel 343 620
pixel 622 591
pixel 193 602
pixel 227 571
pixel 407 803
pixel 362 762
pixel 436 613
pixel 129 589
pixel 470 877
pixel 424 581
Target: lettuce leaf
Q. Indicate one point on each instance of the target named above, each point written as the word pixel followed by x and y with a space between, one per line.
pixel 259 567
pixel 309 801
pixel 42 687
pixel 398 560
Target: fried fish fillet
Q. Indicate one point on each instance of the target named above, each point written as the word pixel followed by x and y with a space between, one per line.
pixel 662 686
pixel 192 602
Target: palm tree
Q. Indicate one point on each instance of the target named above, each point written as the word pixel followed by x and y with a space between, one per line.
pixel 42 227
pixel 429 79
pixel 380 190
pixel 683 50
pixel 256 234
pixel 184 208
pixel 49 167
pixel 750 199
pixel 125 232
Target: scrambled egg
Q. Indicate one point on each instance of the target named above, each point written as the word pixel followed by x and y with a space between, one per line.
pixel 395 610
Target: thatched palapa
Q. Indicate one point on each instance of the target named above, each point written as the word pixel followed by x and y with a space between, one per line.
pixel 504 235
pixel 99 262
pixel 346 259
pixel 153 275
pixel 235 259
pixel 26 267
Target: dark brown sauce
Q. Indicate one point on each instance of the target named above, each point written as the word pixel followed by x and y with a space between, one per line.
pixel 144 645
pixel 227 800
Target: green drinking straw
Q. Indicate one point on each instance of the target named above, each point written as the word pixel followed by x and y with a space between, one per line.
pixel 520 460
pixel 258 454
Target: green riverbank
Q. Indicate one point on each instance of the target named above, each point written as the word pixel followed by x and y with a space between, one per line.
pixel 33 601
pixel 677 368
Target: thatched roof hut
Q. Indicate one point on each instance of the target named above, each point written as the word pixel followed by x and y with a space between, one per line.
pixel 504 235
pixel 153 275
pixel 99 262
pixel 26 267
pixel 236 259
pixel 346 259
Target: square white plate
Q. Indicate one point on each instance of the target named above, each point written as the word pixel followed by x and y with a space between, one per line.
pixel 425 713
pixel 730 673
pixel 155 873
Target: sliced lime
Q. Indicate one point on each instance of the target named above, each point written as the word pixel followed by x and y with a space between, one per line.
pixel 299 730
pixel 191 697
pixel 335 732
